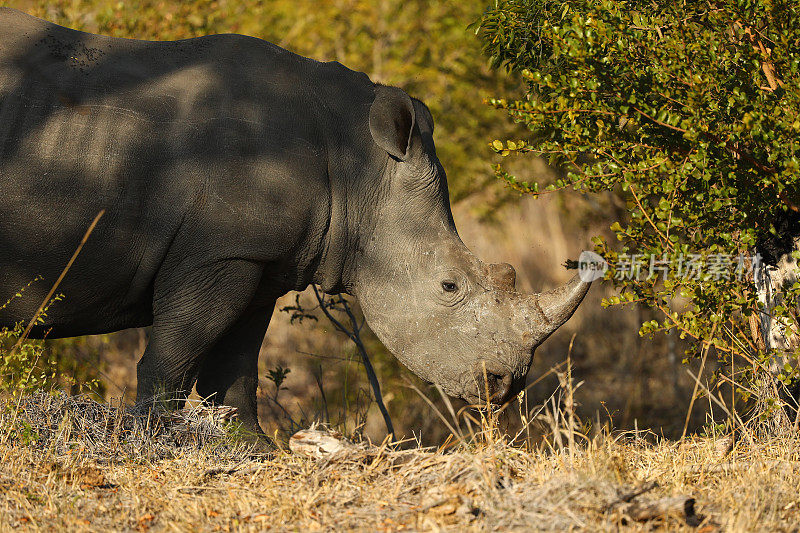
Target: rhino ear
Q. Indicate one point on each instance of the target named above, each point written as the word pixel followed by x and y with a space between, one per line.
pixel 425 119
pixel 391 120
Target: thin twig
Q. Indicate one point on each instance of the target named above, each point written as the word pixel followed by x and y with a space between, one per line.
pixel 356 338
pixel 43 306
pixel 57 283
pixel 706 348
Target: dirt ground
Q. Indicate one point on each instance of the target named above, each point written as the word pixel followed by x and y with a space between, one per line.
pixel 71 464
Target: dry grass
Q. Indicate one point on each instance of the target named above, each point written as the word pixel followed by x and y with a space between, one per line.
pixel 70 464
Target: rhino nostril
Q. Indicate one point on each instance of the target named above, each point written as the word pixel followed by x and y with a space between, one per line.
pixel 497 386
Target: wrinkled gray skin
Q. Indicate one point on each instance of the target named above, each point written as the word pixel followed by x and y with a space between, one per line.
pixel 231 172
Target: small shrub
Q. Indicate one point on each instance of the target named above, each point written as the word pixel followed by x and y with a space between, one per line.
pixel 687 112
pixel 27 366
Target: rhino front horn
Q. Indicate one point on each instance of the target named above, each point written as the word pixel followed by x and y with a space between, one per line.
pixel 558 304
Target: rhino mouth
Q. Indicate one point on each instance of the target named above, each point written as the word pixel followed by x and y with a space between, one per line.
pixel 499 385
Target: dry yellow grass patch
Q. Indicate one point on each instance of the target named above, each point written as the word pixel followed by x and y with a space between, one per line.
pixel 74 465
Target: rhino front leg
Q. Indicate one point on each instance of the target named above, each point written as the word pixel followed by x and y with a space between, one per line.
pixel 192 311
pixel 229 373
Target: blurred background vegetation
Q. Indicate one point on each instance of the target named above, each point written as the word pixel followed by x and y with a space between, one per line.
pixel 425 48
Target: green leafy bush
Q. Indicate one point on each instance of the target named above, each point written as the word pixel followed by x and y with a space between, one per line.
pixel 688 110
pixel 23 366
pixel 28 366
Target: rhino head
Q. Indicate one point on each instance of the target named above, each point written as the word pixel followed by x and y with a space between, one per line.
pixel 447 316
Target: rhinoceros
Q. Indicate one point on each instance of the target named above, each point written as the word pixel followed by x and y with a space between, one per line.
pixel 232 171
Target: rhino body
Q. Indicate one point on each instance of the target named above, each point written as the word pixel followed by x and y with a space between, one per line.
pixel 232 171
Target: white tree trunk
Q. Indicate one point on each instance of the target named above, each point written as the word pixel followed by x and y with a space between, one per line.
pixel 779 338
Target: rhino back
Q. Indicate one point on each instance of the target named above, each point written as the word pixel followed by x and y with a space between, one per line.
pixel 216 129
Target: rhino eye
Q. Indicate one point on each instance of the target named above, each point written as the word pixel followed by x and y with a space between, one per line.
pixel 449 286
